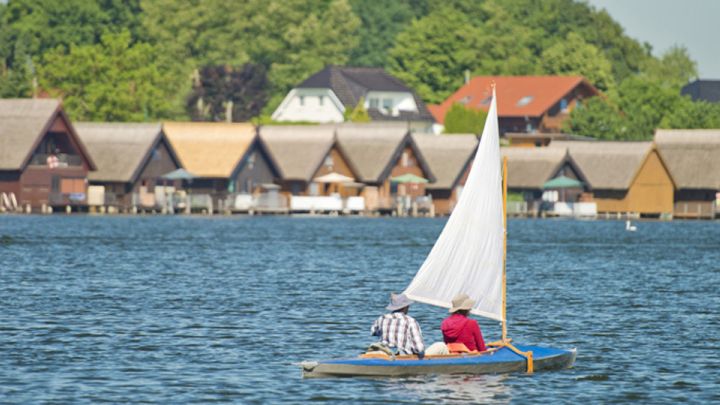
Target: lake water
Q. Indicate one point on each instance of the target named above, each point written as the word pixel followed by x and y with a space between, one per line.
pixel 197 309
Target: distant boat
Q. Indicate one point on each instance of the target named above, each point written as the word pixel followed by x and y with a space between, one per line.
pixel 629 227
pixel 468 257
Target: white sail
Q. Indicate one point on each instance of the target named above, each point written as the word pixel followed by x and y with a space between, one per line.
pixel 468 255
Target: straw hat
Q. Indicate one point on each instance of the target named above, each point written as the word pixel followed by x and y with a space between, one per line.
pixel 398 301
pixel 461 302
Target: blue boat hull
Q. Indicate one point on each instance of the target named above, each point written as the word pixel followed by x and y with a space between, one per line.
pixel 502 360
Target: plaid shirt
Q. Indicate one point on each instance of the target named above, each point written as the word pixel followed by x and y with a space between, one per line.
pixel 399 330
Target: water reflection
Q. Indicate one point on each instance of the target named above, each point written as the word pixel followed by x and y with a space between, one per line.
pixel 480 389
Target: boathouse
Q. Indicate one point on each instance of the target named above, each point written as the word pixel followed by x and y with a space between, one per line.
pixel 530 173
pixel 450 158
pixel 131 159
pixel 693 159
pixel 388 161
pixel 626 178
pixel 43 163
pixel 224 159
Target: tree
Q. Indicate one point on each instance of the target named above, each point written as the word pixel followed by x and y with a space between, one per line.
pixel 431 55
pixel 381 21
pixel 463 120
pixel 358 114
pixel 597 118
pixel 246 87
pixel 109 81
pixel 574 56
pixel 688 114
pixel 674 68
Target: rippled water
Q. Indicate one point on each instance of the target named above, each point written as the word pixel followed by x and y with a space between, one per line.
pixel 190 309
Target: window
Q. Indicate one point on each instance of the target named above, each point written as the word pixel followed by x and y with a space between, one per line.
pixel 387 104
pixel 486 100
pixel 302 100
pixel 321 100
pixel 465 100
pixel 374 103
pixel 156 154
pixel 405 160
pixel 329 161
pixel 251 161
pixel 564 105
pixel 525 101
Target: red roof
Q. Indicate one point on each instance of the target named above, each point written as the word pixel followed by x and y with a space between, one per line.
pixel 518 96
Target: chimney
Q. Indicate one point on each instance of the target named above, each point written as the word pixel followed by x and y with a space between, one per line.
pixel 467 76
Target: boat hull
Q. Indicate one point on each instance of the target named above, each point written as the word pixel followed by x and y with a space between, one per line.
pixel 503 360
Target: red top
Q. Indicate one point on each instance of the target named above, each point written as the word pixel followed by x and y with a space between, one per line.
pixel 459 328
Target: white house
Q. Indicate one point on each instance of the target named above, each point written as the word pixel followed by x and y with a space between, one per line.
pixel 327 94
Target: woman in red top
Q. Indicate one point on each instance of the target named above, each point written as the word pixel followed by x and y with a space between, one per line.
pixel 458 328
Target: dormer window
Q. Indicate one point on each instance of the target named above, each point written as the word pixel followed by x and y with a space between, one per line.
pixel 465 100
pixel 321 100
pixel 374 103
pixel 387 104
pixel 525 101
pixel 486 100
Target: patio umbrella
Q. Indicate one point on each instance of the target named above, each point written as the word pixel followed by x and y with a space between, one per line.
pixel 408 178
pixel 333 178
pixel 562 182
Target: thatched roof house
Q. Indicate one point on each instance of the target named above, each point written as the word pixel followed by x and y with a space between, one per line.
pixel 625 177
pixel 209 149
pixel 530 168
pixel 42 160
pixel 693 159
pixel 450 158
pixel 297 150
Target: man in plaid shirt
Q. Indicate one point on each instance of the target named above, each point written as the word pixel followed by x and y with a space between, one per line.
pixel 398 329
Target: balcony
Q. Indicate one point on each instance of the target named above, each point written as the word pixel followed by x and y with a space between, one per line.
pixel 63 160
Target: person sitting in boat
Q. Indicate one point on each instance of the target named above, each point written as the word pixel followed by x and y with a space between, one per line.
pixel 398 330
pixel 458 330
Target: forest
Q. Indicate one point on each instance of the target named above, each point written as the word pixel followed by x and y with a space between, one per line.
pixel 144 60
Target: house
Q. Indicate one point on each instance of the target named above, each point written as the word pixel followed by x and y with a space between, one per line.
pixel 130 159
pixel 225 158
pixel 525 103
pixel 450 159
pixel 43 163
pixel 625 178
pixel 303 153
pixel 327 95
pixel 703 90
pixel 380 155
pixel 530 170
pixel 693 159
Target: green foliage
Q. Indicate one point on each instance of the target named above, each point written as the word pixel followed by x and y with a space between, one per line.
pixel 215 86
pixel 688 114
pixel 109 81
pixel 599 119
pixel 357 114
pixel 462 120
pixel 574 56
pixel 381 21
pixel 431 55
pixel 674 68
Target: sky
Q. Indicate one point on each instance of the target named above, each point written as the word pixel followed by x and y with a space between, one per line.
pixel 664 23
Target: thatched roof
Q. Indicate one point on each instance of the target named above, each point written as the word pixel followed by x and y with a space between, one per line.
pixel 607 165
pixel 119 149
pixel 297 150
pixel 692 156
pixel 448 156
pixel 530 168
pixel 209 149
pixel 22 123
pixel 371 149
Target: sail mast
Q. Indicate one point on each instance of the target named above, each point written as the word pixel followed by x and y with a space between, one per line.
pixel 504 280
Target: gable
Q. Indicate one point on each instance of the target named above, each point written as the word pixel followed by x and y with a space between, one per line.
pixel 160 160
pixel 652 172
pixel 408 159
pixel 334 162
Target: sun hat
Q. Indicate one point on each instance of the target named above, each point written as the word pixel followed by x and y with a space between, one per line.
pixel 461 302
pixel 398 301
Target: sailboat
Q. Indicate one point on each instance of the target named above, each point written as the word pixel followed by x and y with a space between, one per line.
pixel 468 257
